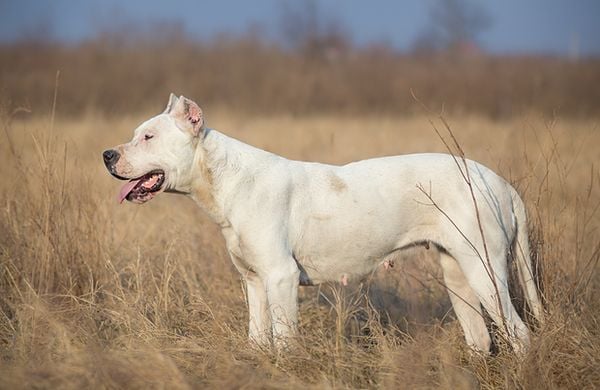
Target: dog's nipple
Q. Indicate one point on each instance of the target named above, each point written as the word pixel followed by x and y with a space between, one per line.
pixel 344 280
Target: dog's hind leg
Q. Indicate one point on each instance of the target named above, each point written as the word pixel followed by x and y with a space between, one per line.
pixel 466 304
pixel 491 287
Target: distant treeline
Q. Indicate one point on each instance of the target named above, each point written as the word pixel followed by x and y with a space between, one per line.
pixel 114 76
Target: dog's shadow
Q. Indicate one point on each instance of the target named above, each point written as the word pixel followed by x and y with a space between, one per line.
pixel 402 298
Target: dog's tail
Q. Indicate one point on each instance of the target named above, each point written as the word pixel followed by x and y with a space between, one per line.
pixel 522 256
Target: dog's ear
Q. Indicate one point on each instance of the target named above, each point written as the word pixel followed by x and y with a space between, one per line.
pixel 172 101
pixel 188 114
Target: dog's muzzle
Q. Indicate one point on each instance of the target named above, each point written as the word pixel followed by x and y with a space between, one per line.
pixel 138 189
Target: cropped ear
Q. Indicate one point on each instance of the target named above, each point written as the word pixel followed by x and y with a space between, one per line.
pixel 172 100
pixel 188 115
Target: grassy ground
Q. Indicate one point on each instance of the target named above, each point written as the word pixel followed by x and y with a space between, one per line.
pixel 96 294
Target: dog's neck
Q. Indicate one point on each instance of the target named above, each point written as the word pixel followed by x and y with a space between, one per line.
pixel 221 166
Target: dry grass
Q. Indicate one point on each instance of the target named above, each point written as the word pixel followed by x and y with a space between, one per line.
pixel 93 294
pixel 120 75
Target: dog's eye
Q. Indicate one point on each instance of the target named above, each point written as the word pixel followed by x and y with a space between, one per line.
pixel 148 136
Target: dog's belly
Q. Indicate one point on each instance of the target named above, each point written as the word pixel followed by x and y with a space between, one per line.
pixel 332 257
pixel 350 245
pixel 316 270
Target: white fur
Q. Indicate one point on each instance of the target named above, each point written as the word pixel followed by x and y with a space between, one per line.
pixel 287 222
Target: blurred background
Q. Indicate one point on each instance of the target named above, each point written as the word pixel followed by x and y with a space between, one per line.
pixel 496 59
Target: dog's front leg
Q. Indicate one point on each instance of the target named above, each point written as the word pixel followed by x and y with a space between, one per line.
pixel 282 294
pixel 259 321
pixel 259 326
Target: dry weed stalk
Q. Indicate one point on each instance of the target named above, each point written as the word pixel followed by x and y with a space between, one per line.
pixel 455 149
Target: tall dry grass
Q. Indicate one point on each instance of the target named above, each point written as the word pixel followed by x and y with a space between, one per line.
pixel 95 294
pixel 123 73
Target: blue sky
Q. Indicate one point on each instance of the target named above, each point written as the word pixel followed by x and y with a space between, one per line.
pixel 526 26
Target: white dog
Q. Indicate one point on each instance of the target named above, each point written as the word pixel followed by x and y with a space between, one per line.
pixel 290 223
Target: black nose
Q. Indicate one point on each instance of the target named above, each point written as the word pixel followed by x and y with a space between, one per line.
pixel 110 156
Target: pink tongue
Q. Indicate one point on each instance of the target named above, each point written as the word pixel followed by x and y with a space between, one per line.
pixel 126 189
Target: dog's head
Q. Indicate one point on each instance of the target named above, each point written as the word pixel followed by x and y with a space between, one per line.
pixel 161 154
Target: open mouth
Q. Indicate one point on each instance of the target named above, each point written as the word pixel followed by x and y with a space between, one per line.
pixel 143 188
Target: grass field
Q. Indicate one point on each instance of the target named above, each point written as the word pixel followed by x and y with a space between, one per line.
pixel 96 294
